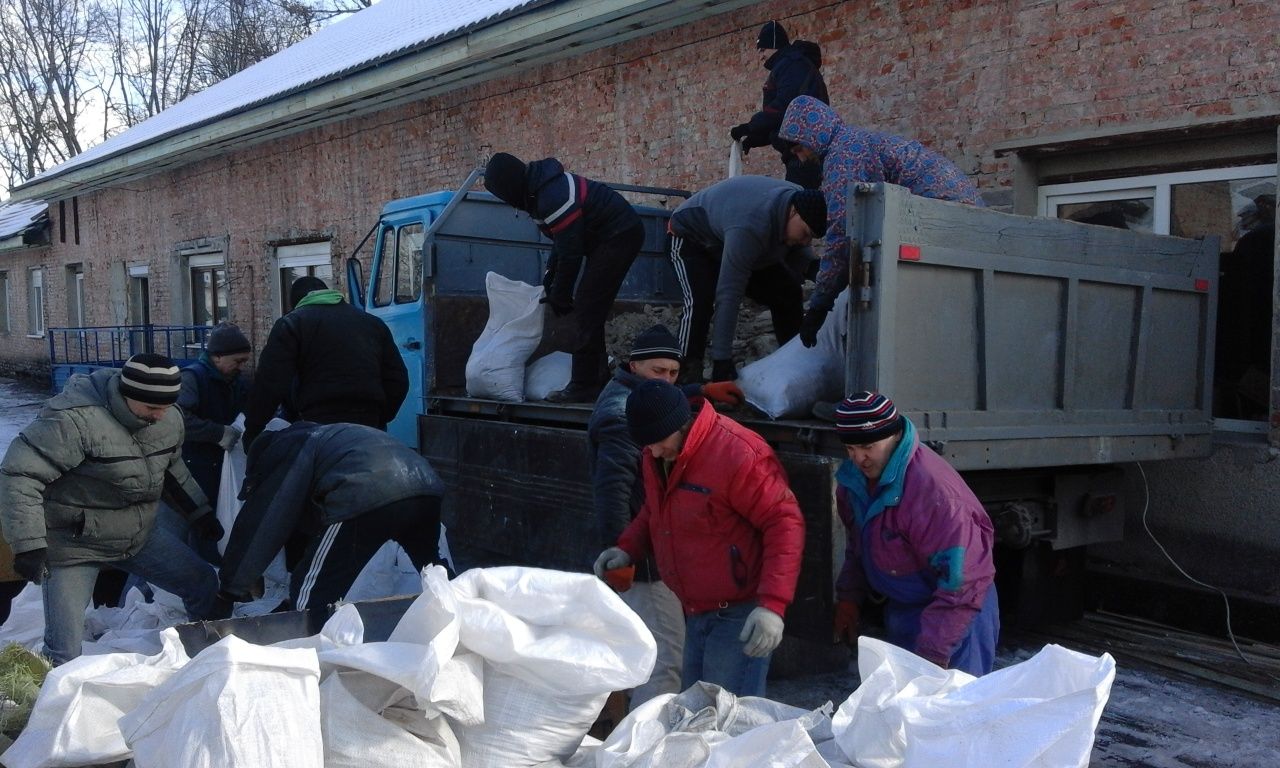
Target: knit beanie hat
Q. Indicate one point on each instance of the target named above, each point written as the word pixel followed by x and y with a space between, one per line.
pixel 657 342
pixel 655 411
pixel 226 339
pixel 151 379
pixel 772 36
pixel 504 176
pixel 867 417
pixel 812 207
pixel 304 285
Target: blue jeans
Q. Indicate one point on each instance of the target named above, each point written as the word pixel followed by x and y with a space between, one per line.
pixel 165 561
pixel 713 652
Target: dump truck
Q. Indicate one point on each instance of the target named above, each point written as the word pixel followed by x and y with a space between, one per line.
pixel 1035 355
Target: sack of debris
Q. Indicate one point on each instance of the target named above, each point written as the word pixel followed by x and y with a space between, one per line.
pixel 787 383
pixel 495 368
pixel 909 713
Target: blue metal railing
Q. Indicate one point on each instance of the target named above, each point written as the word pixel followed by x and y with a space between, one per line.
pixel 81 350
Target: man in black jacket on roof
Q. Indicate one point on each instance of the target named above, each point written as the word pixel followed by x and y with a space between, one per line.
pixel 328 362
pixel 794 70
pixel 594 231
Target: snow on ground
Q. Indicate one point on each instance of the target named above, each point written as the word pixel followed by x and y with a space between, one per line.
pixel 1152 720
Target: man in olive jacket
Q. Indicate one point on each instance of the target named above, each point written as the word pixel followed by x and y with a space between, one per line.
pixel 79 488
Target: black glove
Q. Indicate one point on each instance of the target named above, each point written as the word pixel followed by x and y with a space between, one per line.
pixel 723 370
pixel 223 604
pixel 810 326
pixel 549 276
pixel 739 132
pixel 558 305
pixel 30 565
pixel 207 527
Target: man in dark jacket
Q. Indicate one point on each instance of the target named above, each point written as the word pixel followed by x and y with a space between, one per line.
pixel 613 460
pixel 586 221
pixel 794 70
pixel 79 488
pixel 329 362
pixel 213 394
pixel 348 489
pixel 744 236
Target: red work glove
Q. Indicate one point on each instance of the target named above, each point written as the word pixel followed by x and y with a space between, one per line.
pixel 845 626
pixel 724 392
pixel 620 579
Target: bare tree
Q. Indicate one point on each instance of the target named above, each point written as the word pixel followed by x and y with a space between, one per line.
pixel 247 31
pixel 156 50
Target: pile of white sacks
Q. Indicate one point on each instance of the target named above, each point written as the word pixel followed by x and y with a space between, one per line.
pixel 509 667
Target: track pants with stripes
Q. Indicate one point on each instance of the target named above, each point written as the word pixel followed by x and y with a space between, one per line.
pixel 698 270
pixel 332 560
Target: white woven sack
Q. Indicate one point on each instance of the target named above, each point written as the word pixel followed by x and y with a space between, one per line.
pixel 735 159
pixel 787 383
pixel 554 645
pixel 357 737
pixel 495 368
pixel 547 374
pixel 235 705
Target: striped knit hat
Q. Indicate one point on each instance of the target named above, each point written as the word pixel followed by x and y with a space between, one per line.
pixel 151 379
pixel 866 417
pixel 657 342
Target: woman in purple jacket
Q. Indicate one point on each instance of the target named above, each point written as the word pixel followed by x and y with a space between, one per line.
pixel 916 535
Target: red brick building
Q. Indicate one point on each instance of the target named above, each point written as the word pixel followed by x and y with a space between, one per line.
pixel 1163 110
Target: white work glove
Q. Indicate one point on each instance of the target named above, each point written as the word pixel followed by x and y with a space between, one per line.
pixel 230 436
pixel 761 633
pixel 611 558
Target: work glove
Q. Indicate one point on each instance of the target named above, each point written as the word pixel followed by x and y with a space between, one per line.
pixel 723 370
pixel 230 436
pixel 549 276
pixel 810 325
pixel 613 557
pixel 845 626
pixel 558 305
pixel 207 527
pixel 740 132
pixel 223 604
pixel 31 565
pixel 724 392
pixel 762 633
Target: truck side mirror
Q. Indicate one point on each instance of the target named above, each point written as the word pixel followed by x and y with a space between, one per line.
pixel 355 283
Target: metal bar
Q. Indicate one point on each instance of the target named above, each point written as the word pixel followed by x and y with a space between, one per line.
pixel 1140 343
pixel 1067 390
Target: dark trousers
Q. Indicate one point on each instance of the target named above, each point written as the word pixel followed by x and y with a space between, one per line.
pixel 698 270
pixel 601 279
pixel 334 558
pixel 807 175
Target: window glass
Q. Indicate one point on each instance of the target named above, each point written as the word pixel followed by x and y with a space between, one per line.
pixel 4 302
pixel 35 302
pixel 1123 213
pixel 383 288
pixel 208 295
pixel 409 264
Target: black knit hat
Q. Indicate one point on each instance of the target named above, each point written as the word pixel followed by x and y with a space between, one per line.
pixel 655 411
pixel 867 417
pixel 151 379
pixel 302 286
pixel 772 36
pixel 226 339
pixel 504 176
pixel 657 342
pixel 812 207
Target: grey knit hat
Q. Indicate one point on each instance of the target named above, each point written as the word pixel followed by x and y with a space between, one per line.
pixel 226 339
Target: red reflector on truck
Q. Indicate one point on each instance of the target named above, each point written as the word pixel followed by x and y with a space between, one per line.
pixel 1202 284
pixel 909 252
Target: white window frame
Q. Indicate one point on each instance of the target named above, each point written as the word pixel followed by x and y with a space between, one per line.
pixel 1157 186
pixel 135 272
pixel 200 261
pixel 318 254
pixel 35 302
pixel 75 299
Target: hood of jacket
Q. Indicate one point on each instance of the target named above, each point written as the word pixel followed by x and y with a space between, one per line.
pixel 102 387
pixel 541 173
pixel 811 124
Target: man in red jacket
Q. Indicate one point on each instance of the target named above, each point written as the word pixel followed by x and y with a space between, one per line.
pixel 725 529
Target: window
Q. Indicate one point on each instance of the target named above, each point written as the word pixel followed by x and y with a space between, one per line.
pixel 1238 206
pixel 139 295
pixel 75 296
pixel 208 289
pixel 35 301
pixel 306 260
pixel 4 302
pixel 400 267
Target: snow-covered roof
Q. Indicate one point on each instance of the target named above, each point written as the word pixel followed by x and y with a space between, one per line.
pixel 16 218
pixel 385 30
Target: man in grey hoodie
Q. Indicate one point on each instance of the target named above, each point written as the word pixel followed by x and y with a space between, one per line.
pixel 745 236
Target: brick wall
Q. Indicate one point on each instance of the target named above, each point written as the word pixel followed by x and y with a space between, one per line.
pixel 958 75
pixel 24 354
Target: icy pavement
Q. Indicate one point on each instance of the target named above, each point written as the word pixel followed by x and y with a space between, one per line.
pixel 1152 720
